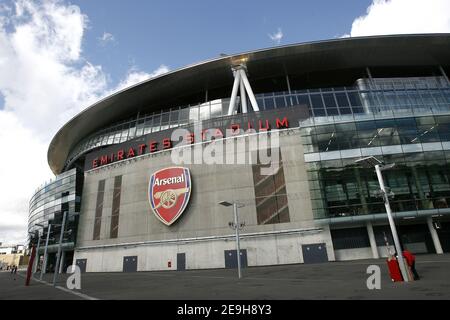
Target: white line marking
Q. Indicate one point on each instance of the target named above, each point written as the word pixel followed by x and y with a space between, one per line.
pixel 78 294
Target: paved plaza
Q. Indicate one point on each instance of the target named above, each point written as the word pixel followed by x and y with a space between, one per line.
pixel 334 280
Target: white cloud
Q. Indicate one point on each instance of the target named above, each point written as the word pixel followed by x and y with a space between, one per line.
pixel 23 168
pixel 44 81
pixel 42 74
pixel 277 36
pixel 402 17
pixel 135 76
pixel 106 38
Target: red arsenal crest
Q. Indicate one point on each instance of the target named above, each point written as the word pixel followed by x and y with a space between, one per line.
pixel 169 192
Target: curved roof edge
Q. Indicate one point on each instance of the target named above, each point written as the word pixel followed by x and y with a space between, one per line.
pixel 324 54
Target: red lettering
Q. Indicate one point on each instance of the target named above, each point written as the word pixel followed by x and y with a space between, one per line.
pixel 190 138
pixel 103 160
pixel 250 126
pixel 218 133
pixel 282 123
pixel 142 148
pixel 167 143
pixel 153 146
pixel 120 155
pixel 131 153
pixel 261 128
pixel 204 132
pixel 94 163
pixel 235 128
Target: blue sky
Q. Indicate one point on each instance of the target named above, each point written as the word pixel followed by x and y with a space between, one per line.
pixel 177 33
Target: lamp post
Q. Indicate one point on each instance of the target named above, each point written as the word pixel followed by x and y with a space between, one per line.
pixel 44 263
pixel 379 167
pixel 58 257
pixel 236 226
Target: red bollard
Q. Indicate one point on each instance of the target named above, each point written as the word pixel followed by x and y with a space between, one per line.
pixel 30 265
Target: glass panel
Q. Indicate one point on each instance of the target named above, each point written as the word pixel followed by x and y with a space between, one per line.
pixel 99 210
pixel 303 100
pixel 316 100
pixel 280 102
pixel 269 103
pixel 329 100
pixel 354 98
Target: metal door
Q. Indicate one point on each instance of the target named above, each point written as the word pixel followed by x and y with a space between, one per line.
pixel 130 264
pixel 81 263
pixel 231 260
pixel 181 261
pixel 315 253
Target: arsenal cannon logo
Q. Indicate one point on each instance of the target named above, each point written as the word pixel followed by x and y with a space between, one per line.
pixel 169 192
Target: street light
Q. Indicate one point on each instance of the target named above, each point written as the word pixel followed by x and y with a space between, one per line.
pixel 370 162
pixel 236 226
pixel 44 263
pixel 58 257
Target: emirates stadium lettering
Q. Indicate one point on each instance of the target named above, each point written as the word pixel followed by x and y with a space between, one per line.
pixel 134 149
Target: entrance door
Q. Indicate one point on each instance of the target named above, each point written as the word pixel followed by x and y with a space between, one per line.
pixel 130 264
pixel 231 259
pixel 81 263
pixel 315 253
pixel 181 261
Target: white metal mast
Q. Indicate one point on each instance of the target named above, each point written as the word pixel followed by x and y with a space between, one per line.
pixel 242 84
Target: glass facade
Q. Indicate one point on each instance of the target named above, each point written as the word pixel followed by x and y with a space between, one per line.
pixel 63 194
pixel 366 99
pixel 404 121
pixel 401 120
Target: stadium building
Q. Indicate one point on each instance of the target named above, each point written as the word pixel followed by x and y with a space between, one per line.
pixel 322 105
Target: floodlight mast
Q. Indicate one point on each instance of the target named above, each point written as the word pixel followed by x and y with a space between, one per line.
pixel 369 162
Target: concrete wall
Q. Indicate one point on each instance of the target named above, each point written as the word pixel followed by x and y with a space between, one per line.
pixel 202 218
pixel 13 259
pixel 360 253
pixel 353 254
pixel 269 250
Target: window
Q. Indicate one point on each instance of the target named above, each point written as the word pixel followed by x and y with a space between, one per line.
pixel 269 103
pixel 99 209
pixel 329 100
pixel 316 100
pixel 350 238
pixel 303 100
pixel 270 192
pixel 354 98
pixel 114 230
pixel 280 102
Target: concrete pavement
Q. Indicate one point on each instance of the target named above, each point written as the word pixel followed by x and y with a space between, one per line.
pixel 12 287
pixel 334 280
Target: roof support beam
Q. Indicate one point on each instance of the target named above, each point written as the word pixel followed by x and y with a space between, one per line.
pixel 241 82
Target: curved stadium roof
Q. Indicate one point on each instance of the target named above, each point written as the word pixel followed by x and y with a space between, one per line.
pixel 175 87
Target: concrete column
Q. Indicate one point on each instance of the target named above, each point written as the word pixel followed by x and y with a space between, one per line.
pixel 434 236
pixel 44 264
pixel 373 242
pixel 61 263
